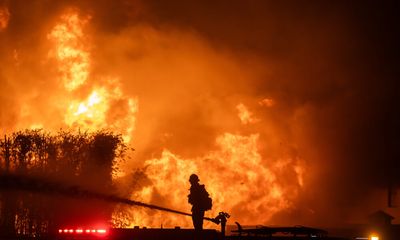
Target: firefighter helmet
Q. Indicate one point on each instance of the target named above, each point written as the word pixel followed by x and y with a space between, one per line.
pixel 194 178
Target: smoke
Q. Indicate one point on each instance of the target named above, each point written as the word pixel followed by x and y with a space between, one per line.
pixel 328 68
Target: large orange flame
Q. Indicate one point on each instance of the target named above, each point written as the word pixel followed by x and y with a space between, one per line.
pixel 98 110
pixel 237 177
pixel 71 50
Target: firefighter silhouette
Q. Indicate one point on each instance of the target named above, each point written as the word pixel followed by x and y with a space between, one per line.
pixel 200 201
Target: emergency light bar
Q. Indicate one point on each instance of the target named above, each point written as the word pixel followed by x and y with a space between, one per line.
pixel 81 231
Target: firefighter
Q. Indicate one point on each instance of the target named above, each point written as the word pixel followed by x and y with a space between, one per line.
pixel 200 201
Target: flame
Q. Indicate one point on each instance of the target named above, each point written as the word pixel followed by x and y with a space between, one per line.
pixel 241 181
pixel 230 175
pixel 230 172
pixel 90 113
pixel 245 115
pixel 70 49
pixel 97 111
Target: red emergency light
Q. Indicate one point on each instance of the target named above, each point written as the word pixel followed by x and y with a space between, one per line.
pixel 81 231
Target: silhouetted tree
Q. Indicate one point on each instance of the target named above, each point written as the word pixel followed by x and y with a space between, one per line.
pixel 85 159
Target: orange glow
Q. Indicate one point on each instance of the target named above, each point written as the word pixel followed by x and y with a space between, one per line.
pixel 374 237
pixel 89 113
pixel 70 50
pixel 268 102
pixel 230 174
pixel 242 171
pixel 245 115
pixel 95 111
pixel 4 18
pixel 299 169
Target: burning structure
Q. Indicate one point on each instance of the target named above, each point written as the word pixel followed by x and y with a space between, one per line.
pixel 285 111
